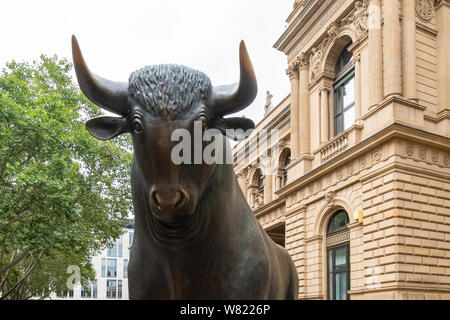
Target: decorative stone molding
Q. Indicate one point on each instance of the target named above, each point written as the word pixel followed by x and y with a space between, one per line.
pixel 438 3
pixel 299 3
pixel 358 18
pixel 424 153
pixel 302 61
pixel 424 9
pixel 338 238
pixel 316 58
pixel 329 198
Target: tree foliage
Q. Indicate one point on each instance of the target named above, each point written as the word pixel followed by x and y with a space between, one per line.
pixel 63 194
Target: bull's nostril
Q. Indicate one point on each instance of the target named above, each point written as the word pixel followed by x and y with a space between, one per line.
pixel 156 200
pixel 179 198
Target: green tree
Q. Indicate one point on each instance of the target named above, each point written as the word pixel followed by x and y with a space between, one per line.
pixel 63 194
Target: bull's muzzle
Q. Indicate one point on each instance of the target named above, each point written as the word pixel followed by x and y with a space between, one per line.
pixel 168 199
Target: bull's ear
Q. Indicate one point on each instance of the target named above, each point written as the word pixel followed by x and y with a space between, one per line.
pixel 235 128
pixel 106 128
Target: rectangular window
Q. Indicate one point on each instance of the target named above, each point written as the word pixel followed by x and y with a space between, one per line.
pixel 338 273
pixel 86 290
pixel 125 268
pixel 94 289
pixel 344 106
pixel 111 271
pixel 103 267
pixel 112 251
pixel 119 246
pixel 119 289
pixel 130 238
pixel 111 289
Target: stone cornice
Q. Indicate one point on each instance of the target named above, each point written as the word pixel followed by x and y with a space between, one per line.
pixel 306 25
pixel 392 131
pixel 269 207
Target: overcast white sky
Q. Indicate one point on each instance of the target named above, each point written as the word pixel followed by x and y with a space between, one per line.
pixel 118 37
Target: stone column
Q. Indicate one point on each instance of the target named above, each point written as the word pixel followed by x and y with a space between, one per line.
pixel 268 186
pixel 357 63
pixel 392 48
pixel 443 54
pixel 375 53
pixel 292 72
pixel 304 106
pixel 409 50
pixel 324 116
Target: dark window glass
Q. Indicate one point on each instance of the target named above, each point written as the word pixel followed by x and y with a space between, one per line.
pixel 119 247
pixel 287 161
pixel 94 289
pixel 103 267
pixel 338 259
pixel 111 271
pixel 344 93
pixel 338 222
pixel 125 268
pixel 111 289
pixel 119 289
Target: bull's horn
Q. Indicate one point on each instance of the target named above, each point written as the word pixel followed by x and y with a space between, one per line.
pixel 233 98
pixel 109 95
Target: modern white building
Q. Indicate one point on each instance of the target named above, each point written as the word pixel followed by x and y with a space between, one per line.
pixel 111 267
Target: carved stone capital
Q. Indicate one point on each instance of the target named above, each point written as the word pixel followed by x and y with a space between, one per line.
pixel 292 73
pixel 303 61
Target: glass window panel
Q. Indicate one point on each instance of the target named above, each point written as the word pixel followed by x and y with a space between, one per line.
pixel 119 289
pixel 340 261
pixel 94 289
pixel 339 221
pixel 112 251
pixel 119 248
pixel 125 268
pixel 349 117
pixel 103 267
pixel 341 286
pixel 338 108
pixel 349 92
pixel 338 125
pixel 112 268
pixel 111 288
pixel 330 286
pixel 130 239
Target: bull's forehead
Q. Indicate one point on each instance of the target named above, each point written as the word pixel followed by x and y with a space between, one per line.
pixel 168 90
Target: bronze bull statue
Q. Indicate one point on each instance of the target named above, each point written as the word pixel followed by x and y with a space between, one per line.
pixel 195 235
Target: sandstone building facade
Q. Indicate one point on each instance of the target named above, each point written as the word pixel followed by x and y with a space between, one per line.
pixel 356 181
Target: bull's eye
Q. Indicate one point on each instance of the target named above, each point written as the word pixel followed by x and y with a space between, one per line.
pixel 137 126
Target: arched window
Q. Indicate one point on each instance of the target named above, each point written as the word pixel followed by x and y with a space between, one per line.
pixel 261 182
pixel 287 161
pixel 344 92
pixel 338 256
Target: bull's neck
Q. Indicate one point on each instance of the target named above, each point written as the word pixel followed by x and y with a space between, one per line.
pixel 218 195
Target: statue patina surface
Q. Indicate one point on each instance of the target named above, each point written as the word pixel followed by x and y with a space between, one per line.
pixel 195 235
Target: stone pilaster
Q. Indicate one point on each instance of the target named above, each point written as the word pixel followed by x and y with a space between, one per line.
pixel 392 48
pixel 375 54
pixel 305 130
pixel 357 63
pixel 443 53
pixel 293 74
pixel 324 116
pixel 408 50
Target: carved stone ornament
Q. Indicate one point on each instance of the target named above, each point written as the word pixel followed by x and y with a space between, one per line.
pixel 329 197
pixel 358 18
pixel 424 9
pixel 316 58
